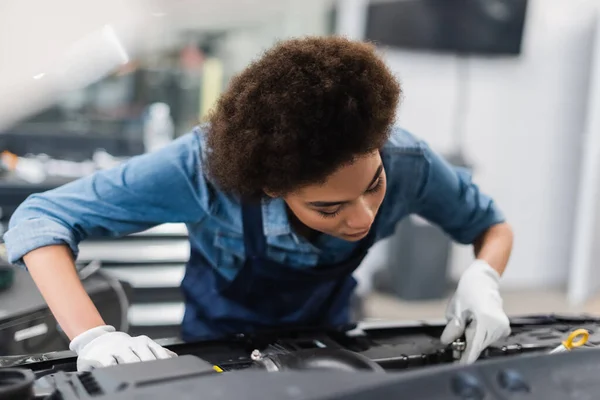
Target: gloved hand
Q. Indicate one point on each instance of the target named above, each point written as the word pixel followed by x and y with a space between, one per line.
pixel 103 346
pixel 476 311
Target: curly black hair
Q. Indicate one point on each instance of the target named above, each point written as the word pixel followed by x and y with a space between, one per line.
pixel 305 108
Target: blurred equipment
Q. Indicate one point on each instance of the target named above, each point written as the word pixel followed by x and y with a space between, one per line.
pixel 27 325
pixel 458 26
pixel 36 169
pixel 7 275
pixel 582 337
pixel 211 90
pixel 31 171
pixel 158 128
pixel 57 143
pixel 16 384
pixel 77 43
pixel 418 267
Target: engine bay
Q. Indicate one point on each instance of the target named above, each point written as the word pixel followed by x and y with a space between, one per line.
pixel 379 355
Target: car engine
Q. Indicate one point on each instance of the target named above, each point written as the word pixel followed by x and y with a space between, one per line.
pixel 372 359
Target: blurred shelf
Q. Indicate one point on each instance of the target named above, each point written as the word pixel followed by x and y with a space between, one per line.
pixel 165 230
pixel 156 314
pixel 155 276
pixel 126 251
pixel 58 141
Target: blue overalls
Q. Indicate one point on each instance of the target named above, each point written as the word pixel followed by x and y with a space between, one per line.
pixel 266 294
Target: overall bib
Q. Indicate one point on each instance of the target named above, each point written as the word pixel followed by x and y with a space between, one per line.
pixel 266 294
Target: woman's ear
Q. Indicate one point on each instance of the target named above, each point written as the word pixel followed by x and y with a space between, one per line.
pixel 270 193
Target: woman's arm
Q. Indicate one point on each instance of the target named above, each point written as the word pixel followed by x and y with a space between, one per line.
pixel 494 246
pixel 45 231
pixel 449 198
pixel 148 190
pixel 53 271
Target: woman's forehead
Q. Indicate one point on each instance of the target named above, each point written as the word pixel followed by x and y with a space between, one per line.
pixel 347 183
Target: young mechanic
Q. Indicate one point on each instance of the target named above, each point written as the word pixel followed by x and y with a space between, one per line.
pixel 298 172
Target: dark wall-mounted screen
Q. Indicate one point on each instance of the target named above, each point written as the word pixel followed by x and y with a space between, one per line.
pixel 459 26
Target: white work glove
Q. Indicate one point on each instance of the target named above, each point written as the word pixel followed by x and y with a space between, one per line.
pixel 103 346
pixel 476 311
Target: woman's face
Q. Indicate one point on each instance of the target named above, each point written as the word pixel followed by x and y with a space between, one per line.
pixel 346 204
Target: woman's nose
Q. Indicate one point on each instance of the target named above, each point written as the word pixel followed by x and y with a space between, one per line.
pixel 362 217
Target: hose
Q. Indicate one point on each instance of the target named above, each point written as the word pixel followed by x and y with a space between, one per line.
pixel 324 359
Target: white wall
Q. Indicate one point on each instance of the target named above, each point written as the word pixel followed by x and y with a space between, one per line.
pixel 584 279
pixel 522 132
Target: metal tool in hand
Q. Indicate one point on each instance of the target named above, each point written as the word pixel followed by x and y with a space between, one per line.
pixel 577 338
pixel 458 347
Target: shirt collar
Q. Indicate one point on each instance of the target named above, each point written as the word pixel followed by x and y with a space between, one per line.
pixel 274 211
pixel 275 217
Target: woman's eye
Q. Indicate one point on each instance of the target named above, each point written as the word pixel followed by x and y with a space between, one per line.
pixel 329 214
pixel 376 187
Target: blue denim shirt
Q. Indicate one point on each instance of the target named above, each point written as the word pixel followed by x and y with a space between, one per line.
pixel 169 186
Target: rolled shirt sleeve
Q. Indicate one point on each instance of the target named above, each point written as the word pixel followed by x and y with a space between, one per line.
pixel 147 190
pixel 448 198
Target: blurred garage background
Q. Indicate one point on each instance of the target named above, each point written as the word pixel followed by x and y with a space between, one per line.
pixel 507 88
